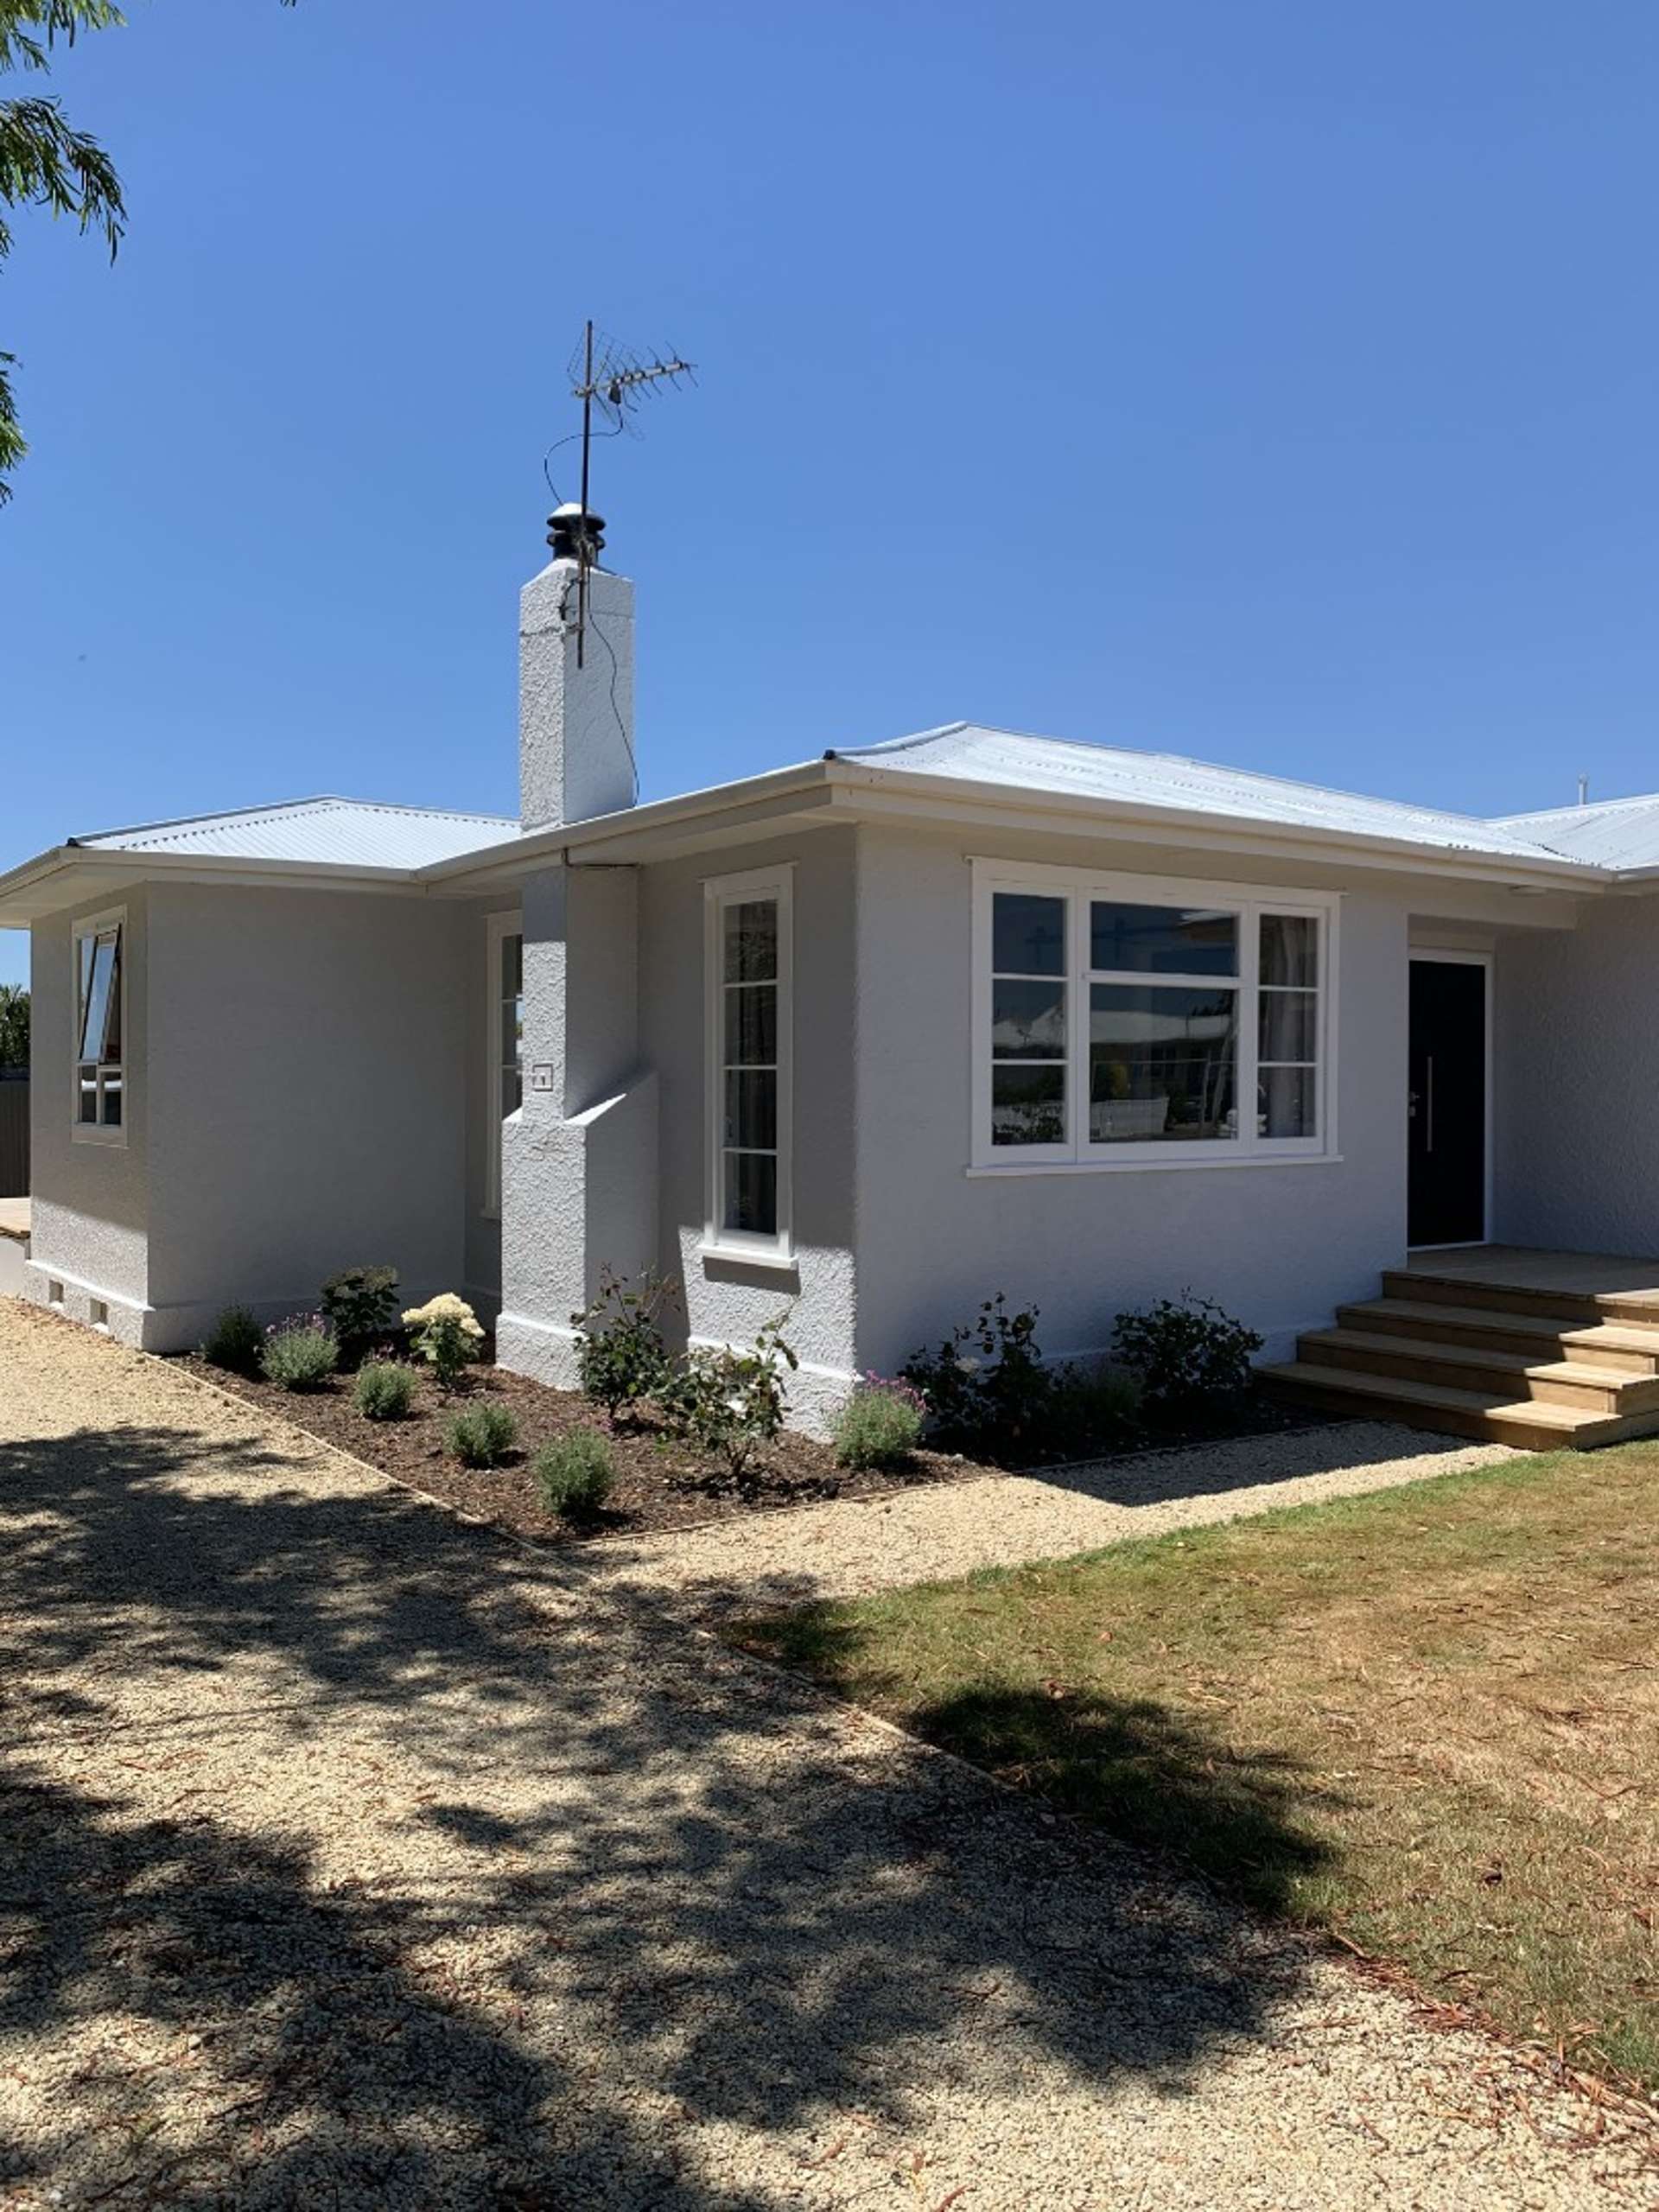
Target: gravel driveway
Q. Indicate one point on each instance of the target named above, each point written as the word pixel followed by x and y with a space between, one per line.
pixel 354 1857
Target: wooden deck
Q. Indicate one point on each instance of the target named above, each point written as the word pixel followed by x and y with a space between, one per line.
pixel 1532 1348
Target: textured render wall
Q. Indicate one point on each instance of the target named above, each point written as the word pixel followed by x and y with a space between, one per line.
pixel 90 1217
pixel 1576 1057
pixel 1280 1246
pixel 727 1301
pixel 573 754
pixel 307 1072
pixel 579 1159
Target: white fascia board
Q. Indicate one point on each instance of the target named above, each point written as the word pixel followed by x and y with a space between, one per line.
pixel 892 793
pixel 69 874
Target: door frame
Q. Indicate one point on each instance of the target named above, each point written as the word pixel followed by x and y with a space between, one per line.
pixel 1462 959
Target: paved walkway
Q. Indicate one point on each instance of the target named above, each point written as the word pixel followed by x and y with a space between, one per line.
pixel 353 1856
pixel 851 1548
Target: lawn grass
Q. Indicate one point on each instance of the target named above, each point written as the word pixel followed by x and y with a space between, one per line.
pixel 1425 1720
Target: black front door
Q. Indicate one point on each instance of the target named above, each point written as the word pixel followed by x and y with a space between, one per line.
pixel 1447 1180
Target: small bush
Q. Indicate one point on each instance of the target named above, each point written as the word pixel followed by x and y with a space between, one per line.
pixel 234 1342
pixel 574 1473
pixel 360 1305
pixel 1093 1408
pixel 731 1401
pixel 445 1333
pixel 986 1386
pixel 620 1356
pixel 383 1391
pixel 881 1424
pixel 300 1353
pixel 482 1436
pixel 1189 1355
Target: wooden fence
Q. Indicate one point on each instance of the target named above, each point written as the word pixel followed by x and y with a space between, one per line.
pixel 14 1138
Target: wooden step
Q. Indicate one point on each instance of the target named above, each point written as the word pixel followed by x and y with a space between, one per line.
pixel 1532 1424
pixel 1625 1345
pixel 1422 1285
pixel 1506 1374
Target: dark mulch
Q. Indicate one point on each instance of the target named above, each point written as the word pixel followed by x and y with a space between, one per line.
pixel 660 1484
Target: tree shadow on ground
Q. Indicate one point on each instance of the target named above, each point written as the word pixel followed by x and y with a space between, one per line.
pixel 486 1885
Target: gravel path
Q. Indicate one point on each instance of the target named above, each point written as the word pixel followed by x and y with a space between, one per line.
pixel 353 1856
pixel 846 1549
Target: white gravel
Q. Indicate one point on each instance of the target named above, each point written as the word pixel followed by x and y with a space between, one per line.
pixel 353 1856
pixel 848 1548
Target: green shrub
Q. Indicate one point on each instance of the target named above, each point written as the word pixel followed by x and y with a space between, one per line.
pixel 383 1390
pixel 360 1305
pixel 234 1342
pixel 574 1473
pixel 300 1353
pixel 1190 1355
pixel 482 1436
pixel 986 1386
pixel 445 1333
pixel 881 1424
pixel 731 1401
pixel 620 1356
pixel 1093 1409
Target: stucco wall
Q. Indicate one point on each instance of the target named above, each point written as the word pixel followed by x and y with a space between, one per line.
pixel 89 1211
pixel 1278 1245
pixel 1576 1056
pixel 726 1301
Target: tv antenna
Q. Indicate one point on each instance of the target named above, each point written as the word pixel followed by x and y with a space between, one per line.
pixel 613 378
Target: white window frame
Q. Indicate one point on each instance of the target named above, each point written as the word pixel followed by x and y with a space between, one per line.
pixel 1076 1155
pixel 499 928
pixel 720 892
pixel 101 1132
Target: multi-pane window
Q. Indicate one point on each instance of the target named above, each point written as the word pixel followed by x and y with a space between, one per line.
pixel 1137 1020
pixel 100 992
pixel 749 953
pixel 504 1019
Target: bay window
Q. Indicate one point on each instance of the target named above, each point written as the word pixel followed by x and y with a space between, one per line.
pixel 748 984
pixel 99 1095
pixel 1130 1021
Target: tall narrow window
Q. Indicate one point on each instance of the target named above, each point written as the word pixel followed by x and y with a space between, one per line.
pixel 505 1021
pixel 100 1010
pixel 748 954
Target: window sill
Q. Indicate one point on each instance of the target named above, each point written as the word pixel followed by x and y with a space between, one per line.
pixel 98 1133
pixel 1026 1167
pixel 749 1255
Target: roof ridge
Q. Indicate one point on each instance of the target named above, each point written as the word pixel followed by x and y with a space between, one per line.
pixel 280 806
pixel 1588 806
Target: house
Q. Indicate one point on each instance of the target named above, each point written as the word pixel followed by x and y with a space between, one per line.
pixel 872 1036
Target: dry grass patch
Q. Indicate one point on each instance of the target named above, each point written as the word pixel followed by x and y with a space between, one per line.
pixel 1426 1720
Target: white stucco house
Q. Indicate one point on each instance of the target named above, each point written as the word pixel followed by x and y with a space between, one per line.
pixel 874 1035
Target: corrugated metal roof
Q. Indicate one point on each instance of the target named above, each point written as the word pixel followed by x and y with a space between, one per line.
pixel 1613 833
pixel 352 833
pixel 967 753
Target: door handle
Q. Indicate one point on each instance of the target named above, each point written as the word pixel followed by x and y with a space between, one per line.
pixel 1428 1134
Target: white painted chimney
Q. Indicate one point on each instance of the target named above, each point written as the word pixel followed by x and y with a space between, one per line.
pixel 576 720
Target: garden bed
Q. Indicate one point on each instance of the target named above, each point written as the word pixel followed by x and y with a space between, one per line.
pixel 661 1483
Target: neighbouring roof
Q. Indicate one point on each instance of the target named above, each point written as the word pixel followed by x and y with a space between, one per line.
pixel 1618 833
pixel 352 833
pixel 968 752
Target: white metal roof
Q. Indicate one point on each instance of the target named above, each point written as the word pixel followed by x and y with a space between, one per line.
pixel 1613 833
pixel 354 833
pixel 968 752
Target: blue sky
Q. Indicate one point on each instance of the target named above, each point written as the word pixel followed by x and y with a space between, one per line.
pixel 1272 384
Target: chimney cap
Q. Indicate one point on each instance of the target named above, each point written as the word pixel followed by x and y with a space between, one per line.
pixel 576 533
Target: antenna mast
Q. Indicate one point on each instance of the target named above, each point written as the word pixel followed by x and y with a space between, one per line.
pixel 612 378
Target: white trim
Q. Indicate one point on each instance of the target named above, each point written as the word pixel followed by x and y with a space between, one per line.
pixel 718 893
pixel 112 1134
pixel 497 928
pixel 1251 902
pixel 1459 957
